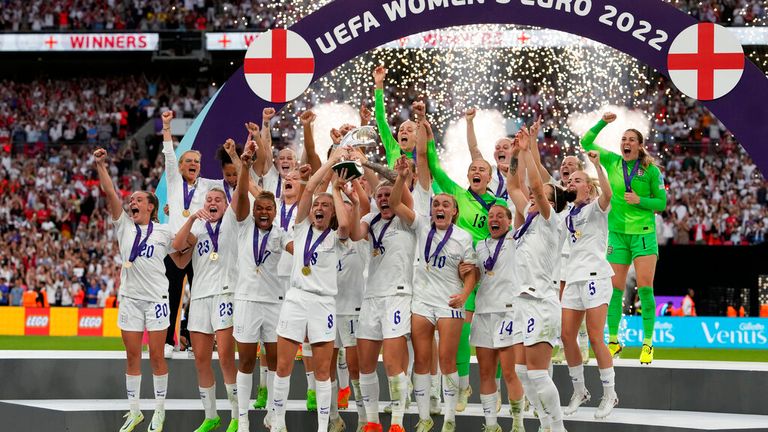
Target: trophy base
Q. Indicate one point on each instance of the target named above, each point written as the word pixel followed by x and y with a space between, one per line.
pixel 354 169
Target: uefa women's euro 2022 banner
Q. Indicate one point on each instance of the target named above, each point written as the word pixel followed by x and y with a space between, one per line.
pixel 701 58
pixel 698 332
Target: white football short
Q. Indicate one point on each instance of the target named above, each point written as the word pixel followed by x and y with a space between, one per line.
pixel 385 317
pixel 540 319
pixel 346 326
pixel 211 314
pixel 435 313
pixel 495 330
pixel 256 321
pixel 583 295
pixel 137 315
pixel 307 315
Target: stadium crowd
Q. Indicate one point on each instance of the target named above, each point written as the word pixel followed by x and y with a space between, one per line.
pixel 202 15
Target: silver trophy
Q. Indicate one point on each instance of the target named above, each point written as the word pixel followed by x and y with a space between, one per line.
pixel 362 138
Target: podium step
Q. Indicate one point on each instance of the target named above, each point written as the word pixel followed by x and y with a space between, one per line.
pixel 187 414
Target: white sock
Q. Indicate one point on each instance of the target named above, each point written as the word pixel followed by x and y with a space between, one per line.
pixel 530 393
pixel 334 399
pixel 450 394
pixel 323 404
pixel 311 383
pixel 398 392
pixel 232 396
pixel 270 387
pixel 607 377
pixel 498 384
pixel 517 410
pixel 160 383
pixel 342 369
pixel 132 389
pixel 421 384
pixel 436 387
pixel 361 416
pixel 548 397
pixel 489 408
pixel 279 396
pixel 577 377
pixel 463 382
pixel 263 370
pixel 244 388
pixel 409 372
pixel 208 397
pixel 369 390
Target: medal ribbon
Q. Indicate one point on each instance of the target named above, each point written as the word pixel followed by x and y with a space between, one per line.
pixel 258 253
pixel 519 233
pixel 138 244
pixel 214 234
pixel 440 246
pixel 377 242
pixel 188 194
pixel 309 250
pixel 491 261
pixel 629 176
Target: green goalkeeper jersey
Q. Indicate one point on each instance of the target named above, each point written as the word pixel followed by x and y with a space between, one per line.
pixel 391 147
pixel 648 184
pixel 473 215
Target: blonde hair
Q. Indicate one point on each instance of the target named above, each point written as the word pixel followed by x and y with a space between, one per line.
pixel 199 155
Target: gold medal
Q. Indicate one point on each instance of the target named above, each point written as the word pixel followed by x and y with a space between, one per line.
pixel 214 256
pixel 376 252
pixel 577 234
pixel 306 270
pixel 185 213
pixel 258 270
pixel 489 273
pixel 127 264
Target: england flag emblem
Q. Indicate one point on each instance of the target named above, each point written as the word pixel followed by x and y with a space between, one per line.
pixel 705 61
pixel 279 66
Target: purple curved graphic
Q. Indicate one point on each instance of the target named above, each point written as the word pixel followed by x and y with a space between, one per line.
pixel 743 111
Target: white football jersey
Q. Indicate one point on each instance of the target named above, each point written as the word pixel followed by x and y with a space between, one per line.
pixel 175 187
pixel 322 277
pixel 271 181
pixel 210 275
pixel 437 280
pixel 145 279
pixel 260 283
pixel 500 285
pixel 537 250
pixel 588 244
pixel 351 278
pixel 286 261
pixel 390 271
pixel 498 184
pixel 228 245
pixel 422 200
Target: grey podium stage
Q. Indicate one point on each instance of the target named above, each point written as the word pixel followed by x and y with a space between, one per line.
pixel 85 391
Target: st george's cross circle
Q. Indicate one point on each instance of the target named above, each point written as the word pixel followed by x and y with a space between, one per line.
pixel 705 61
pixel 279 65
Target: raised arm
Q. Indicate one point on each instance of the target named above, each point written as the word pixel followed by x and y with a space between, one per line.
pixel 231 149
pixel 265 147
pixel 184 239
pixel 381 170
pixel 605 188
pixel 471 137
pixel 171 163
pixel 534 146
pixel 391 147
pixel 365 115
pixel 396 198
pixel 310 154
pixel 305 202
pixel 362 204
pixel 343 217
pixel 516 194
pixel 114 203
pixel 240 202
pixel 588 140
pixel 534 181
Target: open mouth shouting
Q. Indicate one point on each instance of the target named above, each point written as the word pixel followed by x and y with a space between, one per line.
pixel 476 179
pixel 502 157
pixel 213 210
pixel 626 149
pixel 440 215
pixel 319 216
pixel 134 211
